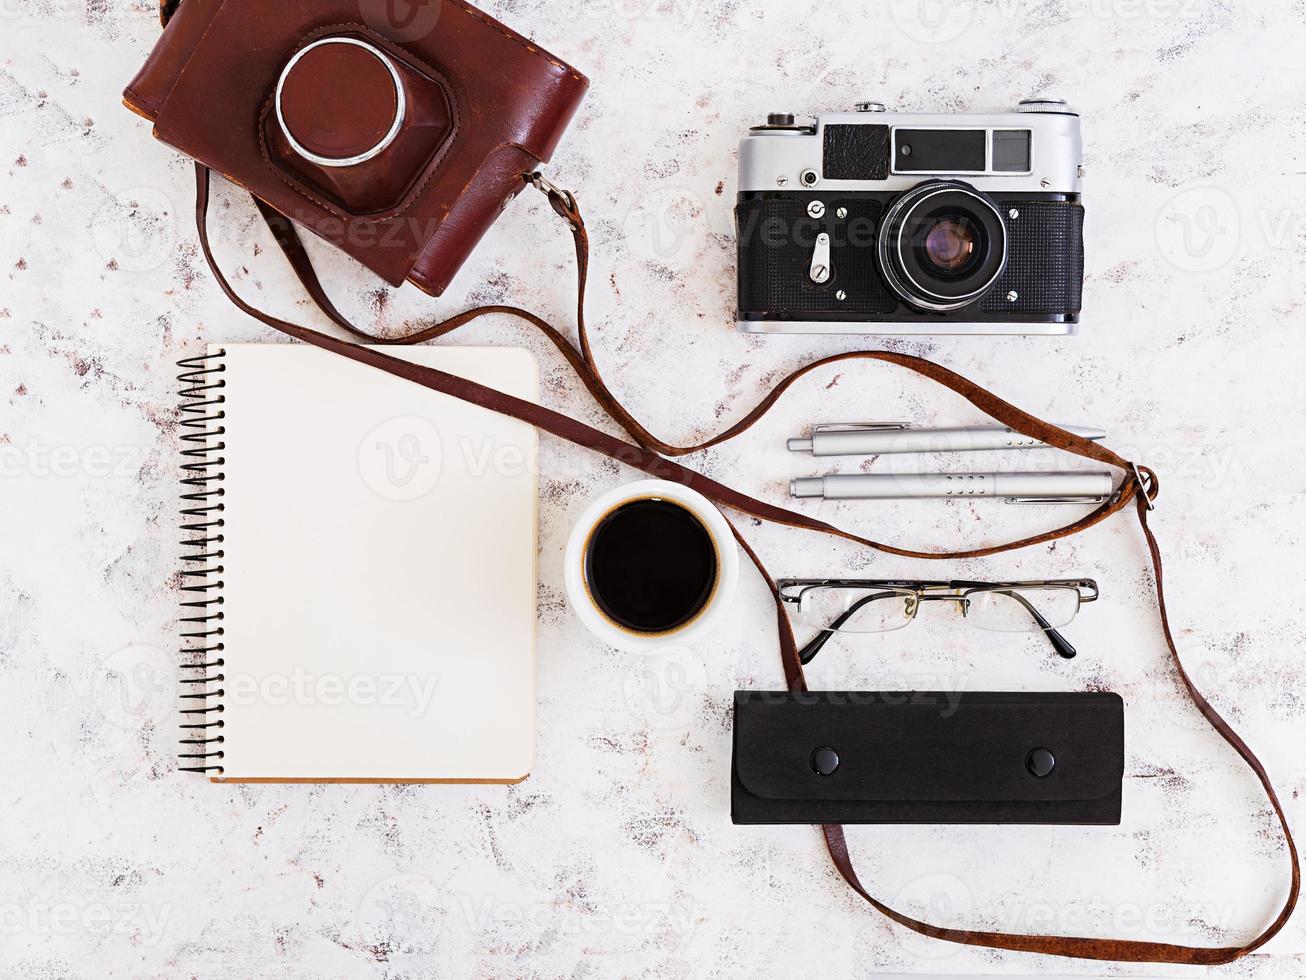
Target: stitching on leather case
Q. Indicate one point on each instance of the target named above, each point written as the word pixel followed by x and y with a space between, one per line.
pixel 411 197
pixel 513 36
pixel 420 279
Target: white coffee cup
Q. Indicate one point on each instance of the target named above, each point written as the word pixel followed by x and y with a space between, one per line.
pixel 723 590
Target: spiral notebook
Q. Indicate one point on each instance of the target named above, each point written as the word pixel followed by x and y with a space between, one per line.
pixel 359 584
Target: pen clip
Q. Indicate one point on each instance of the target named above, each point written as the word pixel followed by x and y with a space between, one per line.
pixel 858 426
pixel 1056 500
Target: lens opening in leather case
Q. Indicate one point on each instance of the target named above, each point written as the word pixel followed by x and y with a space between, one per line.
pixel 357 122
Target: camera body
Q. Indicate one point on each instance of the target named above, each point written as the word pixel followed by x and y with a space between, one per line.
pixel 876 222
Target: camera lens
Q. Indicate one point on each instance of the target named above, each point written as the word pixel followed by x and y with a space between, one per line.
pixel 942 244
pixel 950 244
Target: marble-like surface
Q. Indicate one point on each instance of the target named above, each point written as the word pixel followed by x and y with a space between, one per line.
pixel 617 856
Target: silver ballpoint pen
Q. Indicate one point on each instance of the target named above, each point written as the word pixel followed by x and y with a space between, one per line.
pixel 878 438
pixel 1064 487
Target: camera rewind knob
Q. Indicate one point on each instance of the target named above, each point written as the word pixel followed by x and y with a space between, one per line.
pixel 780 119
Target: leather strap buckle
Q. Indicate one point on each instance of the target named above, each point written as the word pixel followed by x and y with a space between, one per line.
pixel 549 188
pixel 1144 485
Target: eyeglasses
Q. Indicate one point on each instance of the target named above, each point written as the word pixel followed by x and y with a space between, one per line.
pixel 876 606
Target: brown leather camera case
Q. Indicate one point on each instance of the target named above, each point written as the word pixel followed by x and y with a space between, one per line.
pixel 483 107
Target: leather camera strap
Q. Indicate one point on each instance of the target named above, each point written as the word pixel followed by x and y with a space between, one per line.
pixel 1139 485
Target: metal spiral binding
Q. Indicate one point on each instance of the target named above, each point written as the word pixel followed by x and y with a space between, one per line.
pixel 201 649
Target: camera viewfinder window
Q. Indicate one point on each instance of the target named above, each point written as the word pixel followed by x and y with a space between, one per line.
pixel 939 151
pixel 1011 151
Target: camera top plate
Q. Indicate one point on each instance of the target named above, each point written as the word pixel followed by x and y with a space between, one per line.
pixel 1038 149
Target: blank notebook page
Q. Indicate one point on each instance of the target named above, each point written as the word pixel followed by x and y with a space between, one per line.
pixel 379 569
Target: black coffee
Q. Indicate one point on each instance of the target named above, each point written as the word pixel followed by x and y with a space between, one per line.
pixel 650 566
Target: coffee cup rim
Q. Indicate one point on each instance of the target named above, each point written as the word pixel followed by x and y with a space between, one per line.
pixel 718 529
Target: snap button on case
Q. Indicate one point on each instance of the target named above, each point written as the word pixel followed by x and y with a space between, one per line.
pixel 1040 762
pixel 825 761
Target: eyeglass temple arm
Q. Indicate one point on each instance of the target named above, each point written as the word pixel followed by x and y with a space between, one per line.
pixel 808 653
pixel 1059 642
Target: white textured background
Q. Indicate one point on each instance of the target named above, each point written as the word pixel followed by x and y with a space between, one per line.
pixel 617 857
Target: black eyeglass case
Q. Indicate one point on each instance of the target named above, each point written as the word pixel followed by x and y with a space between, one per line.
pixel 927 757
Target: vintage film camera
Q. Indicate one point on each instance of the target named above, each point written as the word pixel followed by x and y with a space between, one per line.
pixel 877 222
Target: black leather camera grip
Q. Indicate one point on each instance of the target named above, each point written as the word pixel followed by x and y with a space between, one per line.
pixel 927 757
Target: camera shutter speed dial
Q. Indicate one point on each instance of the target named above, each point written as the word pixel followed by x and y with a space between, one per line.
pixel 1045 105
